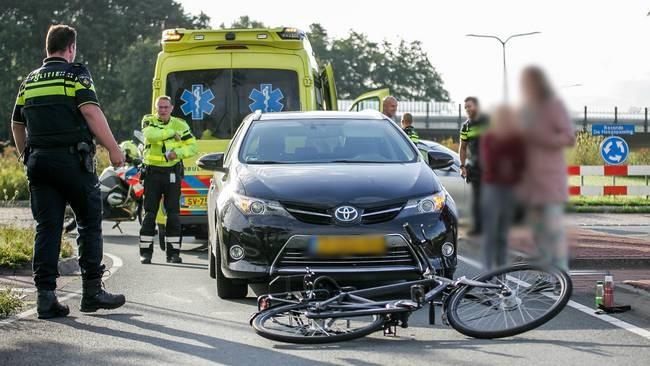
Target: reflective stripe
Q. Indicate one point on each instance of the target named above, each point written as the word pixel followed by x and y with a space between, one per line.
pixel 146 238
pixel 173 239
pixel 146 244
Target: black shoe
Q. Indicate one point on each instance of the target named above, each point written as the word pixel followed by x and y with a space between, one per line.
pixel 94 297
pixel 145 258
pixel 48 306
pixel 174 258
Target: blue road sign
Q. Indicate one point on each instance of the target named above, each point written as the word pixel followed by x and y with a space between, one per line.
pixel 614 150
pixel 602 129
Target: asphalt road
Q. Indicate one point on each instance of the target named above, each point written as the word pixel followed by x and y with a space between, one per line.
pixel 173 316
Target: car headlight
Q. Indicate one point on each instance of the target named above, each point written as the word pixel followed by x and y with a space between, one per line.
pixel 258 206
pixel 428 204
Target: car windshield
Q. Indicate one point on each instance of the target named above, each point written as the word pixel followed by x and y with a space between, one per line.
pixel 325 141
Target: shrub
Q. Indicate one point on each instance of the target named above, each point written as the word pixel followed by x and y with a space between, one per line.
pixel 639 157
pixel 586 151
pixel 13 182
pixel 17 246
pixel 449 142
pixel 10 303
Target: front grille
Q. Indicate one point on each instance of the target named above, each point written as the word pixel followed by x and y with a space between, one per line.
pixel 296 255
pixel 376 215
pixel 324 216
pixel 308 214
pixel 393 257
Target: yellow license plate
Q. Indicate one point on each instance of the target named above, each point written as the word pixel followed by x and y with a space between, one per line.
pixel 350 245
pixel 195 201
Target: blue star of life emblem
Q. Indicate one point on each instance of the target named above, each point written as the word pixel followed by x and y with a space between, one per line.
pixel 197 102
pixel 266 99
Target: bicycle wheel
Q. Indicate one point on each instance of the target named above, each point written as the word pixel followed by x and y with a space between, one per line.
pixel 289 324
pixel 533 296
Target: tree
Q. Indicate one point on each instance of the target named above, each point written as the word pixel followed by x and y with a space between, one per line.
pixel 110 32
pixel 361 65
pixel 243 22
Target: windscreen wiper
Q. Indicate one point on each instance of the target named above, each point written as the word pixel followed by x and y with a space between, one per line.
pixel 359 161
pixel 266 162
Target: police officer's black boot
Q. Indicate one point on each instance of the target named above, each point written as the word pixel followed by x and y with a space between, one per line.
pixel 94 297
pixel 145 257
pixel 48 306
pixel 174 258
pixel 173 254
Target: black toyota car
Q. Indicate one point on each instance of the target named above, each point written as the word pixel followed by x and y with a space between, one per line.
pixel 327 191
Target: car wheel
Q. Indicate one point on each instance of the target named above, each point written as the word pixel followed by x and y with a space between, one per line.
pixel 228 288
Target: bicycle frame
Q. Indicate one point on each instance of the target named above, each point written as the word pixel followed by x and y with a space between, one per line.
pixel 364 306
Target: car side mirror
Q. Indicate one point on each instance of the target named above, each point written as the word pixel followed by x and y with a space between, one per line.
pixel 212 162
pixel 439 160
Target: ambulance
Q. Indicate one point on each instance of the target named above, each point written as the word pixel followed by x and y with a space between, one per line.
pixel 216 77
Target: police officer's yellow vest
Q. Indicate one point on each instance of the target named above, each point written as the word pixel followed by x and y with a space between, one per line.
pixel 159 139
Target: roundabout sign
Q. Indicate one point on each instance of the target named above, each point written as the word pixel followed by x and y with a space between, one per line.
pixel 614 150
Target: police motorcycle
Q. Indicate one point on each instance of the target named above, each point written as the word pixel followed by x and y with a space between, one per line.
pixel 121 190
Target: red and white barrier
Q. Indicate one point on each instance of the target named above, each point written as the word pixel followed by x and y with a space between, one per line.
pixel 610 170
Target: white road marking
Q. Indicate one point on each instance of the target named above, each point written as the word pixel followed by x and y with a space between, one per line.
pixel 117 264
pixel 585 309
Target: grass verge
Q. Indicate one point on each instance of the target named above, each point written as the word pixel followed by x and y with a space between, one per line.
pixel 622 201
pixel 17 246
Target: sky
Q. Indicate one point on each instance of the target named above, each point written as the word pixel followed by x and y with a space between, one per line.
pixel 596 52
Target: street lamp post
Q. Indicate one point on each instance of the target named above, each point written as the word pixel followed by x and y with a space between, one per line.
pixel 503 46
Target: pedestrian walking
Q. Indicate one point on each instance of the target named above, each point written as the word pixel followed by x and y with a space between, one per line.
pixel 56 120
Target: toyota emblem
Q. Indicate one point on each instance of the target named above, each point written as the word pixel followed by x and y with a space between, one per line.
pixel 346 213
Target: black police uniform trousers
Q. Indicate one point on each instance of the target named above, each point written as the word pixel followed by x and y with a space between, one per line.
pixel 474 177
pixel 57 178
pixel 158 185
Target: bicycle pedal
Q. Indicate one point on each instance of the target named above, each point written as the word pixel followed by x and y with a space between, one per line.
pixel 390 330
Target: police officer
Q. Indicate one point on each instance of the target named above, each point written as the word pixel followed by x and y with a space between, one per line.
pixel 407 126
pixel 470 133
pixel 168 140
pixel 55 122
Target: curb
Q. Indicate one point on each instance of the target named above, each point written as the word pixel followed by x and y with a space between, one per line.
pixel 617 262
pixel 579 263
pixel 635 290
pixel 69 266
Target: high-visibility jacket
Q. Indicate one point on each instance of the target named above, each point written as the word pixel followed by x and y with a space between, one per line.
pixel 412 134
pixel 160 139
pixel 48 104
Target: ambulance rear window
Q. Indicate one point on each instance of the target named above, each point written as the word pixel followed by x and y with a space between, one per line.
pixel 214 102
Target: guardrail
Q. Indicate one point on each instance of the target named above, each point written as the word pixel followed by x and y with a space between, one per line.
pixel 610 171
pixel 449 115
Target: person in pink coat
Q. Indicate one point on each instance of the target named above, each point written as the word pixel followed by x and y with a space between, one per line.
pixel 548 131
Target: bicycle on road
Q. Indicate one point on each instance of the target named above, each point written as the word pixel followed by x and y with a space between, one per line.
pixel 500 303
